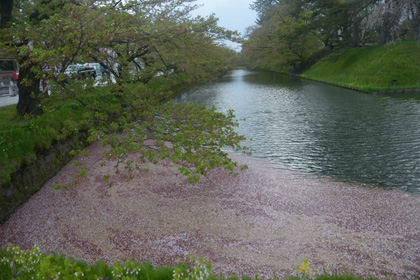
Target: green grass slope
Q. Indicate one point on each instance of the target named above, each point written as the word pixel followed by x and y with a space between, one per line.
pixel 21 137
pixel 371 68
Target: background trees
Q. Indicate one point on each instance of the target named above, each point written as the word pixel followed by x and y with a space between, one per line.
pixel 287 35
pixel 148 46
pixel 6 7
pixel 291 32
pixel 395 19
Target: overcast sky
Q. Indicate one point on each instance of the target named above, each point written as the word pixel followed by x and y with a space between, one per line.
pixel 232 14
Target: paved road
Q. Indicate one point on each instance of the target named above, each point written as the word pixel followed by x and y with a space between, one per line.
pixel 8 100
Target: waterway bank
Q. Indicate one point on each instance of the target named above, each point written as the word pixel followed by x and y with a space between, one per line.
pixel 284 217
pixel 389 68
pixel 386 91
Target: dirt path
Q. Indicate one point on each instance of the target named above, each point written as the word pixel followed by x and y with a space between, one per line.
pixel 284 217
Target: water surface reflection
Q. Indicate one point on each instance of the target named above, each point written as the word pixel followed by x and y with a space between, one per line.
pixel 318 128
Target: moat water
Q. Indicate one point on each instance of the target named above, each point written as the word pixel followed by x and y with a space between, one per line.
pixel 373 140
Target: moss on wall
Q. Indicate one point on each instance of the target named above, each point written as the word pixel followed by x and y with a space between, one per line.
pixel 31 176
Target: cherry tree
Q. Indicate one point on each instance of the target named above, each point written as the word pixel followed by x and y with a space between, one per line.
pixel 388 16
pixel 149 46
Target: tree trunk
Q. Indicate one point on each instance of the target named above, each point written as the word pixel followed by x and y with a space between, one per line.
pixel 29 93
pixel 416 23
pixel 6 7
pixel 417 30
pixel 391 21
pixel 386 35
pixel 356 28
pixel 347 34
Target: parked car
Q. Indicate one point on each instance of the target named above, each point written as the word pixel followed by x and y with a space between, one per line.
pixel 9 72
pixel 72 69
pixel 88 72
pixel 104 73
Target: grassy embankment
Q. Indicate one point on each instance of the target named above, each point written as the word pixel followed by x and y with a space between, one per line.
pixel 375 68
pixel 20 138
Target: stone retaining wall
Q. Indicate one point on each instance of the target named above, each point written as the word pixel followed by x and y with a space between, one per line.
pixel 29 178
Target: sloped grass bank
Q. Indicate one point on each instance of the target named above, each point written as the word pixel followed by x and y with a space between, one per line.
pixel 31 152
pixel 393 67
pixel 21 139
pixel 32 264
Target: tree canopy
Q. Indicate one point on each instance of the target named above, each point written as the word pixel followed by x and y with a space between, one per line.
pixel 146 47
pixel 290 33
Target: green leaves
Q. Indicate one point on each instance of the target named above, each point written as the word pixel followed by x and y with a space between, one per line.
pixel 290 33
pixel 148 48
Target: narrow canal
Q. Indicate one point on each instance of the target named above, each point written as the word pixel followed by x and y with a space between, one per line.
pixel 325 130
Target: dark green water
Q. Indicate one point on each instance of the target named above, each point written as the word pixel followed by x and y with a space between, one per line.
pixel 322 129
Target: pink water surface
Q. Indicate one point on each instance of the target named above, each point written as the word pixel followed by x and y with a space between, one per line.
pixel 284 217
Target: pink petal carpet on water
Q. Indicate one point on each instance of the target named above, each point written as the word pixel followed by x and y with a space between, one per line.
pixel 266 221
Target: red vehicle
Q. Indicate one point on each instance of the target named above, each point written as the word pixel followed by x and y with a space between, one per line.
pixel 8 76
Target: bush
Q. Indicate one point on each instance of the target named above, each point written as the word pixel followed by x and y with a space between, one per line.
pixel 16 263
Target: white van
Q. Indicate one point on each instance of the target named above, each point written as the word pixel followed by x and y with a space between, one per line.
pixel 72 69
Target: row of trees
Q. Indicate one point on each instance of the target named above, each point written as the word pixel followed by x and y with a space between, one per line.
pixel 289 32
pixel 148 46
